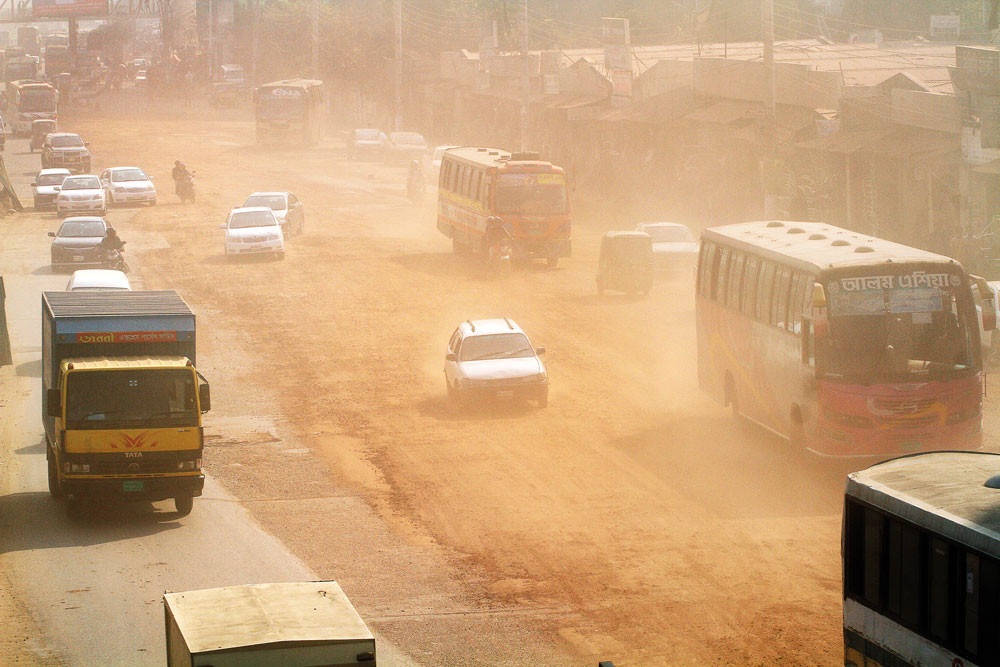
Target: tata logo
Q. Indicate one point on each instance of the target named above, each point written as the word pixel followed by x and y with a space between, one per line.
pixel 133 455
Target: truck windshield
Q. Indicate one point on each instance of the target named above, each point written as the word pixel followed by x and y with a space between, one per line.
pixel 531 194
pixel 124 398
pixel 38 100
pixel 899 329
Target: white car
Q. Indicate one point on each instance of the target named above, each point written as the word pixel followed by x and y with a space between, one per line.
pixel 674 245
pixel 253 230
pixel 97 280
pixel 81 194
pixel 286 206
pixel 45 187
pixel 125 185
pixel 493 359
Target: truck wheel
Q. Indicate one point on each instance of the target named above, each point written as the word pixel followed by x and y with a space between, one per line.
pixel 55 488
pixel 184 504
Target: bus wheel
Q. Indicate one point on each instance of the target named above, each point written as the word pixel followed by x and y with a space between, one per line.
pixel 184 504
pixel 55 488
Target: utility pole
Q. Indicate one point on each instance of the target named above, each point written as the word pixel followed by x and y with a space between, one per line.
pixel 769 170
pixel 253 47
pixel 315 39
pixel 399 65
pixel 525 83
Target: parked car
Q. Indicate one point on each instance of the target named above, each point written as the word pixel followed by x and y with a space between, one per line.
pixel 493 359
pixel 81 193
pixel 124 185
pixel 252 231
pixel 66 149
pixel 674 245
pixel 97 280
pixel 405 146
pixel 45 187
pixel 366 144
pixel 77 242
pixel 286 206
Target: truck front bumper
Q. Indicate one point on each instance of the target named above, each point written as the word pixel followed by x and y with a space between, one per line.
pixel 134 488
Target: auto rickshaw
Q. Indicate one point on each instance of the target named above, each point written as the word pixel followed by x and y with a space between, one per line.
pixel 39 129
pixel 626 263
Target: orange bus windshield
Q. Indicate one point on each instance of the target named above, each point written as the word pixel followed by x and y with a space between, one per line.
pixel 531 194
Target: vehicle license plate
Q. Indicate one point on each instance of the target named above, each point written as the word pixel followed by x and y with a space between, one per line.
pixel 505 393
pixel 77 258
pixel 133 486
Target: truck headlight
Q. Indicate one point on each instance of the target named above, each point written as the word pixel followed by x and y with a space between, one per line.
pixel 191 464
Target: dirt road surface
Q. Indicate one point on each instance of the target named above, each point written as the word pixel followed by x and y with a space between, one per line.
pixel 630 520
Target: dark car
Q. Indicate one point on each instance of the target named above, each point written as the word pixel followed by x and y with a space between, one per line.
pixel 77 243
pixel 404 147
pixel 366 144
pixel 66 149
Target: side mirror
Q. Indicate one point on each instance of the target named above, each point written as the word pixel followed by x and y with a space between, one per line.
pixel 539 350
pixel 451 356
pixel 53 400
pixel 57 188
pixel 52 234
pixel 223 226
pixel 34 184
pixel 205 397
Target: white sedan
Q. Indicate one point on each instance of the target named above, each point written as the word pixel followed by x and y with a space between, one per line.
pixel 674 245
pixel 81 194
pixel 286 206
pixel 253 230
pixel 128 184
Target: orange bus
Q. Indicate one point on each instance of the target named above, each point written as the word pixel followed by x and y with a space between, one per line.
pixel 845 344
pixel 530 197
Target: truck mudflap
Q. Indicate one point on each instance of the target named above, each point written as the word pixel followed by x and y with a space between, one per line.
pixel 135 488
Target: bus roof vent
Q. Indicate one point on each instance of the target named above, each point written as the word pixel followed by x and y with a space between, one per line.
pixel 993 482
pixel 776 223
pixel 796 230
pixel 840 243
pixel 817 237
pixel 864 248
pixel 524 155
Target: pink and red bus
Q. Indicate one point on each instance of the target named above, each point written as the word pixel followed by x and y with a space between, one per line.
pixel 845 344
pixel 529 195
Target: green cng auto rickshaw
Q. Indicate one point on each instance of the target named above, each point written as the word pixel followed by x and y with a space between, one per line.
pixel 626 263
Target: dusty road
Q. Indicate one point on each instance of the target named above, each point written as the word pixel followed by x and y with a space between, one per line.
pixel 628 521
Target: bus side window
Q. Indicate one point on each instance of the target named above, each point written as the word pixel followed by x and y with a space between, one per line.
pixel 449 177
pixel 735 280
pixel 764 285
pixel 750 285
pixel 779 305
pixel 989 612
pixel 723 273
pixel 939 589
pixel 706 268
pixel 484 191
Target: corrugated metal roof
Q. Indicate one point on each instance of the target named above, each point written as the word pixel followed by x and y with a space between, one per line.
pixel 123 303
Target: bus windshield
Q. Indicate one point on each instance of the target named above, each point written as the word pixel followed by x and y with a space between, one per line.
pixel 898 328
pixel 38 100
pixel 118 398
pixel 531 194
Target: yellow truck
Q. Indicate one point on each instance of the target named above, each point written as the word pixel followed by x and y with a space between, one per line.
pixel 122 400
pixel 294 624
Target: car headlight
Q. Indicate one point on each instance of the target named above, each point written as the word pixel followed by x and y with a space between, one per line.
pixel 273 237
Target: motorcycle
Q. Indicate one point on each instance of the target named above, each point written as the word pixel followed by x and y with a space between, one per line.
pixel 185 188
pixel 501 257
pixel 114 259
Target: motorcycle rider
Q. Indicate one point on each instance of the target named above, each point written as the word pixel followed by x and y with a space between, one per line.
pixel 111 245
pixel 181 177
pixel 498 240
pixel 415 181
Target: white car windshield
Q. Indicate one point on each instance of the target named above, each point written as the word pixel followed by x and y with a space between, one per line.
pixel 366 135
pixel 50 179
pixel 496 346
pixel 252 219
pixel 123 175
pixel 70 141
pixel 408 139
pixel 273 202
pixel 88 183
pixel 81 228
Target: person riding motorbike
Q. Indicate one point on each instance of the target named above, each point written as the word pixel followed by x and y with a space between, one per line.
pixel 182 179
pixel 498 242
pixel 111 250
pixel 415 181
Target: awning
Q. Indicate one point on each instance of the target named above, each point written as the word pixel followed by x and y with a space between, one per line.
pixel 915 142
pixel 574 101
pixel 843 141
pixel 655 110
pixel 727 112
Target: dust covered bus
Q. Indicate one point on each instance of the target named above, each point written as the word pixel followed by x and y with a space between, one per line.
pixel 845 344
pixel 921 562
pixel 29 100
pixel 529 195
pixel 290 112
